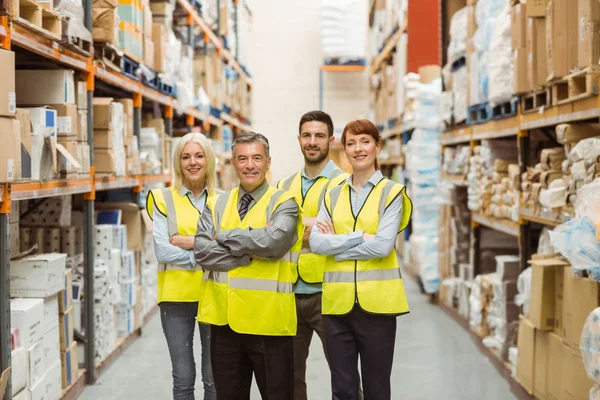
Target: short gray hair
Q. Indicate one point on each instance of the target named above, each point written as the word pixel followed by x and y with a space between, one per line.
pixel 250 137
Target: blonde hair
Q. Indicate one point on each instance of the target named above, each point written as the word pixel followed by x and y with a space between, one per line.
pixel 209 154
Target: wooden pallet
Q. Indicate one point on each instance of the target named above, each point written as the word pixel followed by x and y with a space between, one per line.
pixel 533 101
pixel 32 14
pixel 576 86
pixel 479 114
pixel 109 55
pixel 73 42
pixel 505 110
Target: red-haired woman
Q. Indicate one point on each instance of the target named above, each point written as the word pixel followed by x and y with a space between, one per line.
pixel 363 291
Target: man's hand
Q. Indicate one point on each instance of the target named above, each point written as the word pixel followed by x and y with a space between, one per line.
pixel 326 227
pixel 183 242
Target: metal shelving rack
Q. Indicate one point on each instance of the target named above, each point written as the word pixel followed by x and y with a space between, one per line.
pixel 13 34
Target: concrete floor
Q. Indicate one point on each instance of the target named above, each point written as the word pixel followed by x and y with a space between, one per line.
pixel 434 359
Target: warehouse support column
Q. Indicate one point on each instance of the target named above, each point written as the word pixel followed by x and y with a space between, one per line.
pixel 169 120
pixel 137 129
pixel 5 341
pixel 525 236
pixel 88 250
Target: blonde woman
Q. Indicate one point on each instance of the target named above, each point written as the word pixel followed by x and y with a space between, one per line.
pixel 175 212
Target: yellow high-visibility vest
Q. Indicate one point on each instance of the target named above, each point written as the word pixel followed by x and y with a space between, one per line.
pixel 375 284
pixel 256 299
pixel 176 283
pixel 311 266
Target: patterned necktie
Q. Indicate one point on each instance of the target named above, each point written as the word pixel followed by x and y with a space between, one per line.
pixel 244 203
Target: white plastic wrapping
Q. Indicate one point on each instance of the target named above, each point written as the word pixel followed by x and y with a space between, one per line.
pixel 73 12
pixel 344 28
pixel 459 89
pixel 588 202
pixel 501 69
pixel 446 105
pixel 577 241
pixel 585 149
pixel 458 35
pixel 590 346
pixel 523 298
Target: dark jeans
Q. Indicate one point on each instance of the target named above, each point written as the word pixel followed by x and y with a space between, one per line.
pixel 179 323
pixel 236 356
pixel 373 338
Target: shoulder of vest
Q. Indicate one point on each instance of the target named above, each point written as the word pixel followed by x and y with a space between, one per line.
pixel 396 190
pixel 152 203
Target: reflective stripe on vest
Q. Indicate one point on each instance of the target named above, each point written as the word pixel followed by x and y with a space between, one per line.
pixel 171 211
pixel 261 284
pixel 371 275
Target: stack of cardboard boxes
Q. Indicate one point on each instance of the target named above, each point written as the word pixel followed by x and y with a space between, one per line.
pixel 109 127
pixel 105 22
pixel 37 328
pixel 549 360
pixel 10 155
pixel 209 73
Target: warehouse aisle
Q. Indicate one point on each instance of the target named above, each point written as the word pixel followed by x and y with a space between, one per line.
pixel 434 359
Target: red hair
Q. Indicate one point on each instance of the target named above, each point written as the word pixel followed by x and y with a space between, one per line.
pixel 360 127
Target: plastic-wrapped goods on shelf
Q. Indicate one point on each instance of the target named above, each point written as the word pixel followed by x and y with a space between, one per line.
pixel 411 82
pixel 427 105
pixel 481 292
pixel 73 12
pixel 424 254
pixel 244 32
pixel 459 89
pixel 486 13
pixel 590 349
pixel 343 28
pixel 577 240
pixel 523 298
pixel 173 50
pixel 457 47
pixel 501 60
pixel 185 80
pixel 446 107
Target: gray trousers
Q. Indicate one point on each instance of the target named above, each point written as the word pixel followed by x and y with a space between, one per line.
pixel 179 324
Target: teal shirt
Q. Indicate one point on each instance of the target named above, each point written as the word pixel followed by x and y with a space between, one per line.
pixel 302 287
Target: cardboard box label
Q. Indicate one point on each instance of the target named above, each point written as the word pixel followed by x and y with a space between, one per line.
pixel 12 102
pixel 65 125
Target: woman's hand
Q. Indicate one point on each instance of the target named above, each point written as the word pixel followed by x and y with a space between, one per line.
pixel 368 236
pixel 326 227
pixel 183 242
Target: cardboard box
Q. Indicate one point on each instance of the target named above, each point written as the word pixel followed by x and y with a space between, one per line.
pixel 105 26
pixel 572 36
pixel 37 276
pixel 66 296
pixel 103 113
pixel 43 121
pixel 66 329
pixel 10 151
pixel 559 284
pixel 27 315
pixel 131 217
pixel 105 162
pixel 537 67
pixel 81 95
pixel 4 380
pixel 540 373
pixel 50 313
pixel 576 383
pixel 67 121
pixel 8 100
pixel 159 38
pixel 543 288
pixel 536 8
pixel 567 324
pixel 37 391
pixel 521 70
pixel 69 365
pixel 518 19
pixel 585 298
pixel 19 369
pixel 589 33
pixel 526 365
pixel 51 240
pixel 149 52
pixel 104 139
pixel 53 381
pixel 45 86
pixel 37 363
pixel 555 368
pixel 53 212
pixel 125 321
pixel 24 117
pixel 556 38
pixel 51 344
